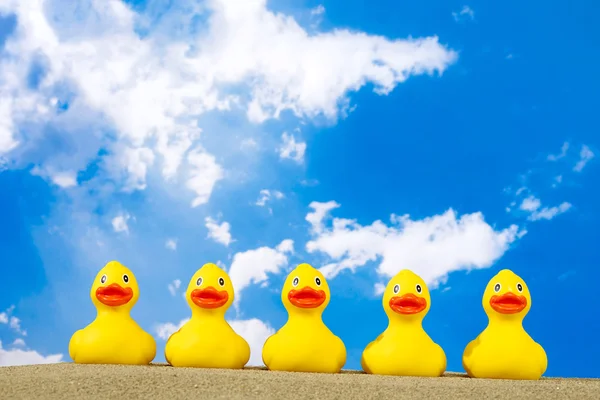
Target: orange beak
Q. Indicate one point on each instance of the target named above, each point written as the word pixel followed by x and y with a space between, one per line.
pixel 114 295
pixel 408 304
pixel 209 297
pixel 508 303
pixel 307 297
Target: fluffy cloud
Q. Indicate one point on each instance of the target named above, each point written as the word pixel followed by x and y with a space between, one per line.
pixel 563 152
pixel 533 206
pixel 104 87
pixel 292 149
pixel 266 195
pixel 256 332
pixel 13 322
pixel 18 356
pixel 465 12
pixel 174 286
pixel 252 266
pixel 253 330
pixel 63 179
pixel 119 223
pixel 171 244
pixel 204 174
pixel 585 155
pixel 317 216
pixel 432 247
pixel 218 232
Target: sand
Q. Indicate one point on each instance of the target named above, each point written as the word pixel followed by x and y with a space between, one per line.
pixel 69 381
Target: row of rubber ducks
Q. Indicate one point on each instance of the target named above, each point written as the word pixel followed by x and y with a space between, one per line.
pixel 503 350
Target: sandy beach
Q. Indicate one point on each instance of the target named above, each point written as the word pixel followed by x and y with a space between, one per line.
pixel 70 381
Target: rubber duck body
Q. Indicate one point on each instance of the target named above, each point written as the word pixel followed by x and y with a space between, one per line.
pixel 504 350
pixel 207 340
pixel 305 343
pixel 113 337
pixel 404 348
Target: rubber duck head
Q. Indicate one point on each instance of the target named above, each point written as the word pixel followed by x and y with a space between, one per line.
pixel 406 297
pixel 115 288
pixel 506 296
pixel 210 290
pixel 305 291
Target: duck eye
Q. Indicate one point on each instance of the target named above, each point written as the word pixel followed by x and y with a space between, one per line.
pixel 419 288
pixel 125 278
pixel 497 288
pixel 396 289
pixel 103 279
pixel 221 281
pixel 295 281
pixel 519 287
pixel 199 281
pixel 318 281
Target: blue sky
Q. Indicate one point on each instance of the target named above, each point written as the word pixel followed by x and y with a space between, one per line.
pixel 170 134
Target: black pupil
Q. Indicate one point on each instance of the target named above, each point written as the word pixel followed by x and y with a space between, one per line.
pixel 103 279
pixel 295 281
pixel 396 289
pixel 221 281
pixel 519 287
pixel 497 287
pixel 199 282
pixel 318 281
pixel 125 278
pixel 419 288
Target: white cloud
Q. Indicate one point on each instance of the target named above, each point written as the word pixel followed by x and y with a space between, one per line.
pixel 318 10
pixel 533 205
pixel 292 149
pixel 432 247
pixel 316 15
pixel 14 323
pixel 253 330
pixel 563 152
pixel 549 212
pixel 135 162
pixel 321 210
pixel 265 195
pixel 256 332
pixel 465 13
pixel 26 357
pixel 204 174
pixel 119 223
pixel 557 180
pixel 585 155
pixel 7 137
pixel 174 286
pixel 163 331
pixel 530 203
pixel 218 232
pixel 18 342
pixel 142 99
pixel 171 244
pixel 378 289
pixel 252 266
pixel 64 179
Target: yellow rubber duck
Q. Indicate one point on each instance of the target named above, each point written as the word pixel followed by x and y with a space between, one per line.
pixel 504 350
pixel 304 343
pixel 404 348
pixel 113 337
pixel 207 340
